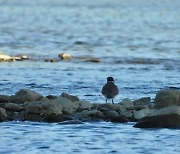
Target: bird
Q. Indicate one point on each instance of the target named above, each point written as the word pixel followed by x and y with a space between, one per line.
pixel 110 90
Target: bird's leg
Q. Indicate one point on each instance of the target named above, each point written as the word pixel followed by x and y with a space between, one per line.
pixel 106 100
pixel 112 101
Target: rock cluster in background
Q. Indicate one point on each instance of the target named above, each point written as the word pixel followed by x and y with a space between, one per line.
pixel 27 105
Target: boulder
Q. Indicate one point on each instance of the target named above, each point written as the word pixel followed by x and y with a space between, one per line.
pixel 142 101
pixel 167 97
pixel 67 106
pixel 70 97
pixel 4 98
pixel 83 105
pixel 42 108
pixel 119 119
pixel 141 113
pixel 168 117
pixel 13 107
pixel 3 115
pixel 127 103
pixel 93 114
pixel 25 95
pixel 111 113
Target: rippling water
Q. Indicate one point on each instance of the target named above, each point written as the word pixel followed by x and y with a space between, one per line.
pixel 101 137
pixel 138 43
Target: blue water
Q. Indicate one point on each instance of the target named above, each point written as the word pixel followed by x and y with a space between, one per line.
pixel 101 137
pixel 138 43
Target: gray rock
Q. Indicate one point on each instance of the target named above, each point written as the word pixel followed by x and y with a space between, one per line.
pixel 13 107
pixel 168 117
pixel 3 115
pixel 141 113
pixel 83 105
pixel 127 103
pixel 92 113
pixel 25 95
pixel 167 97
pixel 119 119
pixel 42 108
pixel 67 106
pixel 4 98
pixel 111 113
pixel 70 97
pixel 142 101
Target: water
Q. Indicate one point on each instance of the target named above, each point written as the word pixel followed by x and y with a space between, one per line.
pixel 138 43
pixel 101 137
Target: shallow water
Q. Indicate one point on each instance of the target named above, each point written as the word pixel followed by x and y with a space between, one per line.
pixel 138 43
pixel 101 137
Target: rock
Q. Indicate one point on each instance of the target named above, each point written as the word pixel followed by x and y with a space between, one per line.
pixel 65 56
pixel 119 119
pixel 5 57
pixel 25 95
pixel 3 115
pixel 111 113
pixel 168 117
pixel 4 98
pixel 94 60
pixel 42 108
pixel 128 114
pixel 83 105
pixel 167 97
pixel 141 113
pixel 127 103
pixel 95 114
pixel 142 101
pixel 70 97
pixel 67 106
pixel 54 118
pixel 13 107
pixel 51 97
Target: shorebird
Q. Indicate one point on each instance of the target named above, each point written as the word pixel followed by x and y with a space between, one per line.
pixel 110 90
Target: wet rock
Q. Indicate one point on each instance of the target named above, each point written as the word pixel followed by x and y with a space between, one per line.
pixel 167 97
pixel 13 107
pixel 168 117
pixel 4 98
pixel 94 114
pixel 65 56
pixel 67 106
pixel 94 60
pixel 70 97
pixel 119 119
pixel 54 118
pixel 110 113
pixel 141 113
pixel 25 95
pixel 42 108
pixel 3 115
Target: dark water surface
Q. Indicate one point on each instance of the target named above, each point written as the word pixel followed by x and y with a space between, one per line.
pixel 138 43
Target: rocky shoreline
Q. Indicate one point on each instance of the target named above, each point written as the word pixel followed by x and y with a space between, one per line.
pixel 28 105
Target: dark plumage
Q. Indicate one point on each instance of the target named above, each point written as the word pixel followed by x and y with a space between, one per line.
pixel 110 90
